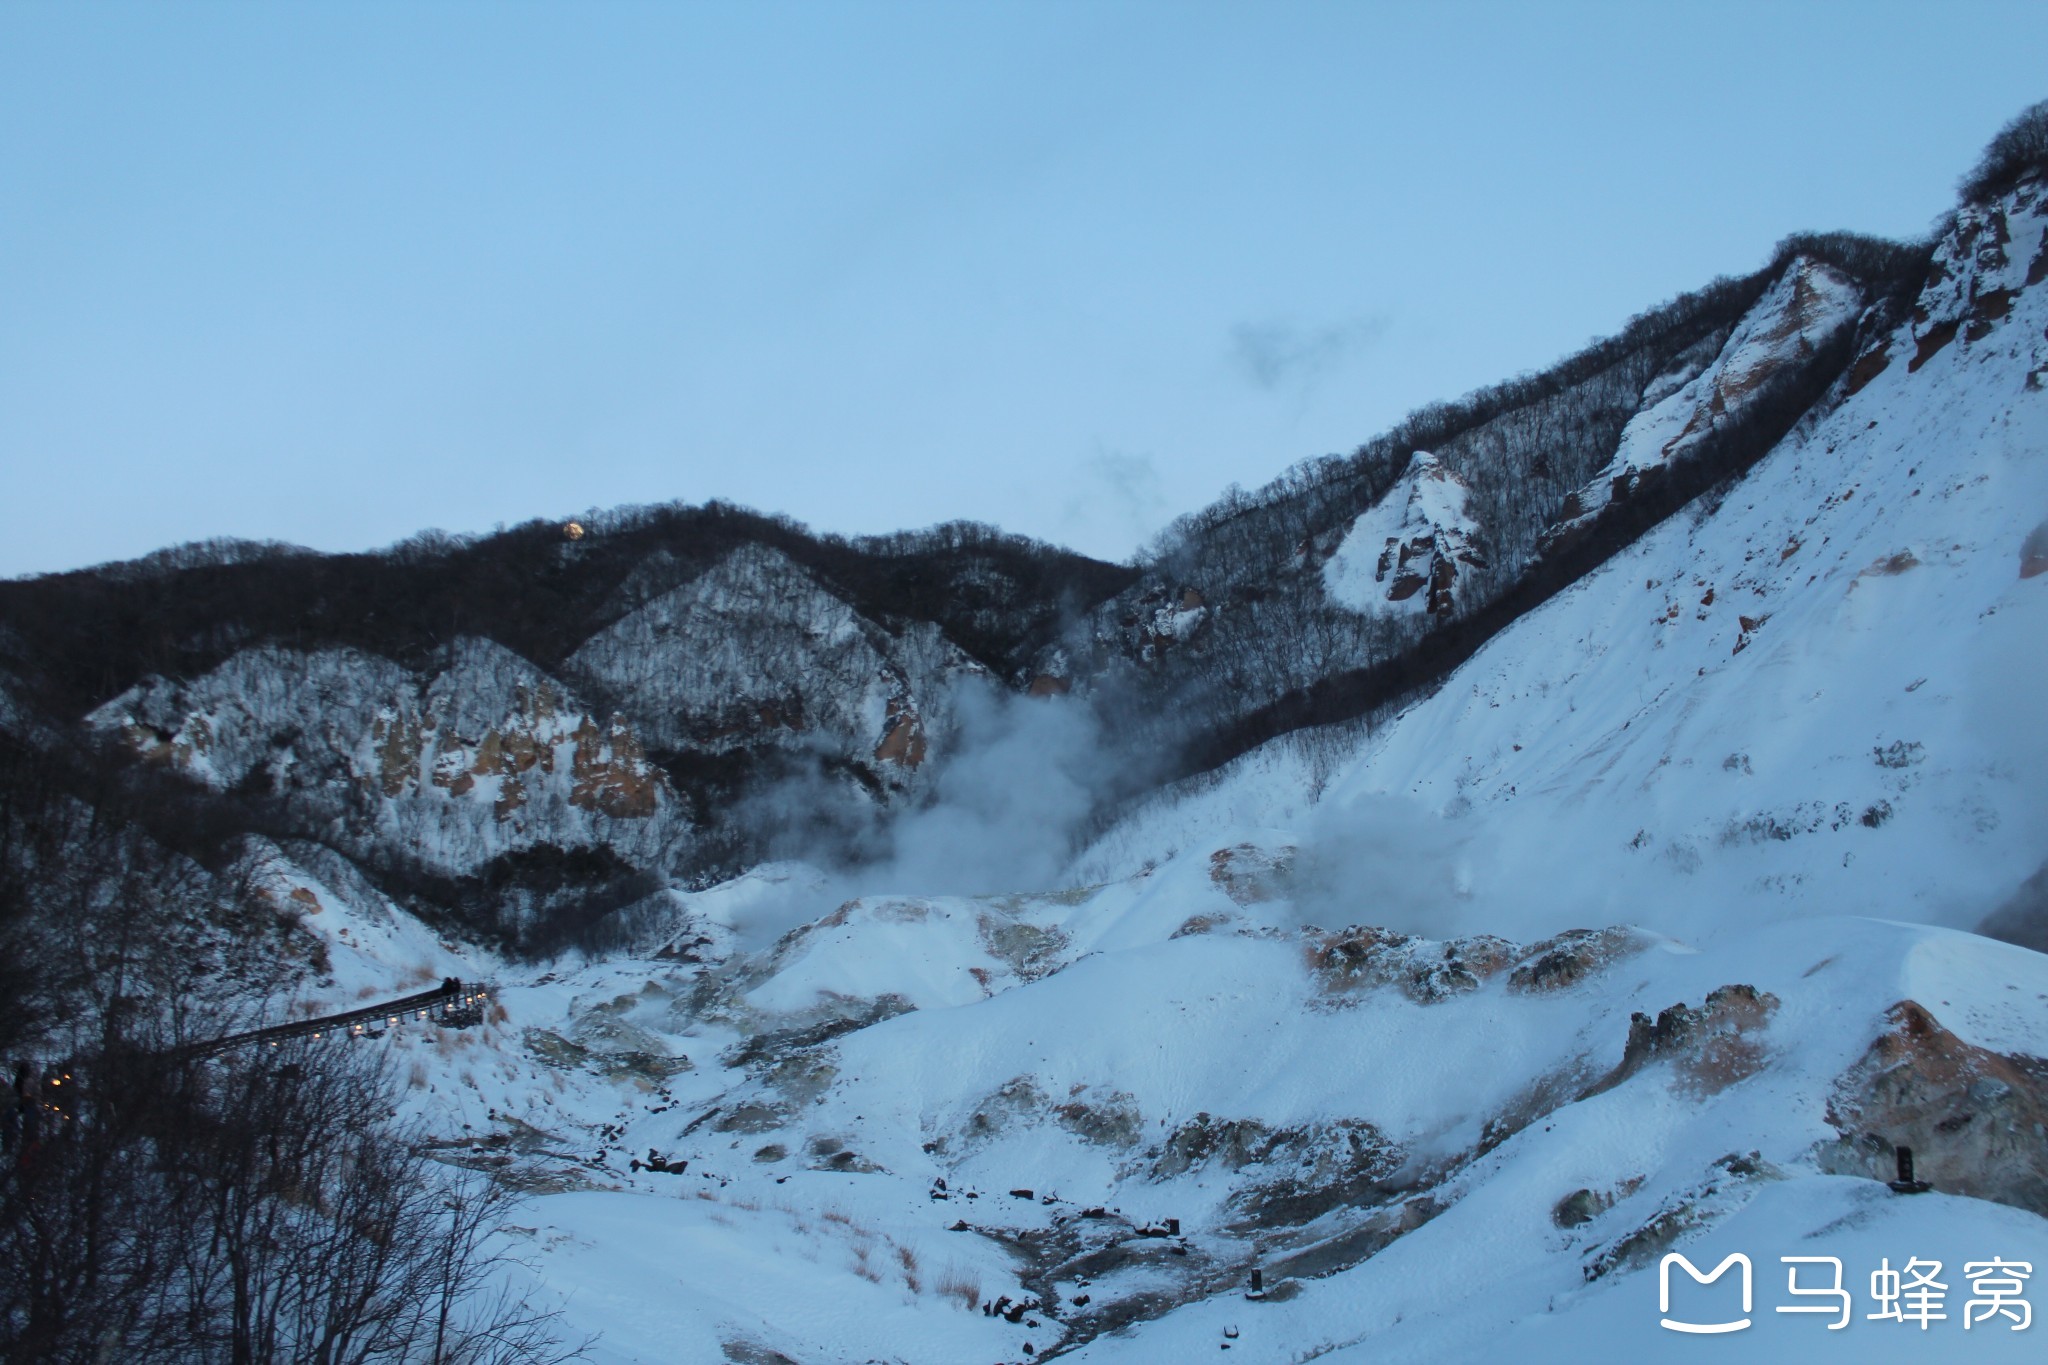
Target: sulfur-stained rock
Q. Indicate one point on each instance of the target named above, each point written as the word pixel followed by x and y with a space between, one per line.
pixel 396 740
pixel 904 742
pixel 1576 955
pixel 1251 875
pixel 1711 1047
pixel 610 772
pixel 1974 1118
pixel 1425 970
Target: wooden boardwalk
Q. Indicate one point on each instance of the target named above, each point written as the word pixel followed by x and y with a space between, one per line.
pixel 452 1004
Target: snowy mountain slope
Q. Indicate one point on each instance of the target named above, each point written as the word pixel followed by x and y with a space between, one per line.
pixel 1179 1046
pixel 757 644
pixel 1807 305
pixel 1674 1151
pixel 680 693
pixel 1817 691
pixel 1768 731
pixel 1645 929
pixel 1526 487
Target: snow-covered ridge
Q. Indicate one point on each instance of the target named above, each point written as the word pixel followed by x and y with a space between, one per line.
pixel 1812 689
pixel 1810 302
pixel 1989 255
pixel 1341 578
pixel 755 648
pixel 486 755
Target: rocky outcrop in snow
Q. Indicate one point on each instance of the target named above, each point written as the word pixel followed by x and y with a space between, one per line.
pixel 485 756
pixel 755 651
pixel 1408 553
pixel 1810 302
pixel 1973 1117
pixel 1989 254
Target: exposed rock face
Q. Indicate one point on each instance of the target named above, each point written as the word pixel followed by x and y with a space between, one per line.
pixel 1579 1207
pixel 1975 1119
pixel 1314 1167
pixel 483 757
pixel 1711 1047
pixel 611 771
pixel 904 743
pixel 2034 550
pixel 757 652
pixel 1162 618
pixel 608 770
pixel 1990 253
pixel 1870 365
pixel 1731 1181
pixel 1108 1118
pixel 1576 955
pixel 482 754
pixel 1251 875
pixel 2023 918
pixel 1809 303
pixel 1425 970
pixel 220 727
pixel 1418 542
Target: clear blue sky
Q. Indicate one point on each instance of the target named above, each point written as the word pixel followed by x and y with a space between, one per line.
pixel 333 273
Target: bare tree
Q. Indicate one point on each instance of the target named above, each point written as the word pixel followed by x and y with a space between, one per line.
pixel 259 1207
pixel 2020 147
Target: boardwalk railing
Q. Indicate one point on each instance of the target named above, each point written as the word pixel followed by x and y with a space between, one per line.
pixel 452 1004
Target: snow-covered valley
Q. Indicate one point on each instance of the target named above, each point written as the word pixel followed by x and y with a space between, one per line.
pixel 1649 929
pixel 1652 926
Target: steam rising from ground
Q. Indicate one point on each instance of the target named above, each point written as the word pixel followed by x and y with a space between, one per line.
pixel 1021 779
pixel 1018 780
pixel 1383 861
pixel 1025 775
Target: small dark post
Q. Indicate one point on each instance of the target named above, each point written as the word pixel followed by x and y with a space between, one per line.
pixel 1173 1227
pixel 1258 1283
pixel 1906 1184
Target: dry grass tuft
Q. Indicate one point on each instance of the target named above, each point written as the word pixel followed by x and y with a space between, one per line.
pixel 907 1258
pixel 961 1284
